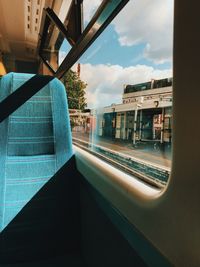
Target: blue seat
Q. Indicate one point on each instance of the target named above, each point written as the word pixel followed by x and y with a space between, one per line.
pixel 35 143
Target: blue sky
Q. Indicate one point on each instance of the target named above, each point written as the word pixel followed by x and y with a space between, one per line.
pixel 135 47
pixel 107 50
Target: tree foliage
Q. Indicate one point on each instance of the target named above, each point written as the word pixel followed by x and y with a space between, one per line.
pixel 75 89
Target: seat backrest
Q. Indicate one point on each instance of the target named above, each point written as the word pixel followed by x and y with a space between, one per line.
pixel 35 142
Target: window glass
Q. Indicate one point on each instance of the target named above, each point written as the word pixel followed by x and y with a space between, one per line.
pixel 127 77
pixel 56 47
pixel 89 9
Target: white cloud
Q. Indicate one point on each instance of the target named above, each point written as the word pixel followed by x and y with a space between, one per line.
pixel 61 56
pixel 106 82
pixel 144 22
pixel 90 8
pixel 147 22
pixel 141 22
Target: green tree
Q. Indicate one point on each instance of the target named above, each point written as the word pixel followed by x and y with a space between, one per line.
pixel 75 89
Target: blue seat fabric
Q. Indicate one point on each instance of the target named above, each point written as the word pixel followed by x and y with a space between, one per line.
pixel 35 142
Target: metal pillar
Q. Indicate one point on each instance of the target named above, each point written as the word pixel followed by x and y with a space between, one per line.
pixel 135 126
pixel 140 127
pixel 125 123
pixel 162 127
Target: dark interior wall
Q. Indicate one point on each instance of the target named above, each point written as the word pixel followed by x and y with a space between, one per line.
pixel 14 65
pixel 102 243
pixel 49 224
pixel 26 67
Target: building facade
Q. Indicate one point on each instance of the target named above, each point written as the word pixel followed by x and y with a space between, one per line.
pixel 145 114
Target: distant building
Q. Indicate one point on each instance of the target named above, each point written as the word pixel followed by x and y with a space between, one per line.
pixel 80 121
pixel 144 115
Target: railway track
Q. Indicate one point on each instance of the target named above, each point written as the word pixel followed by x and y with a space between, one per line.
pixel 146 171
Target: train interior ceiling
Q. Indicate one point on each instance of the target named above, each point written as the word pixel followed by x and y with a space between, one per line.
pixel 114 184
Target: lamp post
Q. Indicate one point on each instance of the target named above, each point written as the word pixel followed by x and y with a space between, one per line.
pixel 135 125
pixel 138 105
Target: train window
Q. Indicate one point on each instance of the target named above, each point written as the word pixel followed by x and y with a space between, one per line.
pixel 128 73
pixel 55 45
pixel 53 32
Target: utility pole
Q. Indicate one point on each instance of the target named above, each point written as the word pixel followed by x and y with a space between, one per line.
pixel 135 125
pixel 138 105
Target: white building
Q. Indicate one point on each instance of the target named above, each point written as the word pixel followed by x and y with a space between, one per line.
pixel 144 115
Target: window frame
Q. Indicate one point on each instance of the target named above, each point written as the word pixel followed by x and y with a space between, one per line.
pixel 88 36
